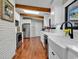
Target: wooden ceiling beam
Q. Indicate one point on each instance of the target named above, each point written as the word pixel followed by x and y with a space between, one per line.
pixel 32 8
pixel 32 15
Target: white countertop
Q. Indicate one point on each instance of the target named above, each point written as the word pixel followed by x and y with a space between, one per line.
pixel 63 41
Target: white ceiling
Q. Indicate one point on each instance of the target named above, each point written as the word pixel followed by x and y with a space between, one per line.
pixel 40 14
pixel 38 3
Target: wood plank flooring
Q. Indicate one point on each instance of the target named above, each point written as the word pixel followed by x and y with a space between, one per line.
pixel 31 49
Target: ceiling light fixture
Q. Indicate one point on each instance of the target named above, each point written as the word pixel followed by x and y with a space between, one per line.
pixel 31 12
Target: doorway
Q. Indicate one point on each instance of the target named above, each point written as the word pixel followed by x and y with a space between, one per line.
pixel 26 30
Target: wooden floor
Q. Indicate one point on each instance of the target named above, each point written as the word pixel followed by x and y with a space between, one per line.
pixel 31 49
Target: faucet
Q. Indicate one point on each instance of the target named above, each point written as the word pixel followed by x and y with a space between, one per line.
pixel 70 34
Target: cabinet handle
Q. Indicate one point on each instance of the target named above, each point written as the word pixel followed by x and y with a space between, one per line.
pixel 53 53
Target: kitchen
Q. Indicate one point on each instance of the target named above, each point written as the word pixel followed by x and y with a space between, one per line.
pixel 44 29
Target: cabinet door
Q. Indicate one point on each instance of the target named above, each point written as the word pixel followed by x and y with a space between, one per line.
pixel 52 54
pixel 71 55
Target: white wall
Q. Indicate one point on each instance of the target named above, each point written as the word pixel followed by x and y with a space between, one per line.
pixel 56 15
pixel 38 26
pixel 46 20
pixel 35 28
pixel 67 3
pixel 17 16
pixel 64 1
pixel 57 8
pixel 24 21
pixel 59 13
pixel 7 38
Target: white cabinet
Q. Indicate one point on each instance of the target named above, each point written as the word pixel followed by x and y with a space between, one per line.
pixel 72 55
pixel 52 54
pixel 60 47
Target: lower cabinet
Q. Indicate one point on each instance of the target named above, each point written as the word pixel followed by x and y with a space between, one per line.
pixel 72 55
pixel 52 54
